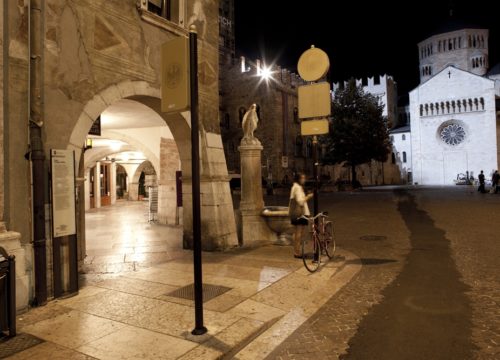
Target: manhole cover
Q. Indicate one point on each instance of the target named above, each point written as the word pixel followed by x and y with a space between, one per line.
pixel 209 292
pixel 373 237
pixel 13 345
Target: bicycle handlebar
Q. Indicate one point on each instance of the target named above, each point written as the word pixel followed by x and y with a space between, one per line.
pixel 311 218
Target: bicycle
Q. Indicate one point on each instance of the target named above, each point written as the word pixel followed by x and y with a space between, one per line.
pixel 321 243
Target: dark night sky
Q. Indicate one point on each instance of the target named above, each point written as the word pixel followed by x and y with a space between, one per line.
pixel 361 39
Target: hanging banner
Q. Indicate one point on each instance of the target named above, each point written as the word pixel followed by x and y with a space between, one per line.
pixel 62 169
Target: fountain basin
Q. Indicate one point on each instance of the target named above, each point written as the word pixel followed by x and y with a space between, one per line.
pixel 278 221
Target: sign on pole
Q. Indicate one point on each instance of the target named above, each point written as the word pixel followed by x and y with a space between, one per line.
pixel 175 96
pixel 313 64
pixel 284 162
pixel 62 166
pixel 314 127
pixel 314 100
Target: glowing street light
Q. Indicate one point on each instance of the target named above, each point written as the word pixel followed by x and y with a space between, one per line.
pixel 266 73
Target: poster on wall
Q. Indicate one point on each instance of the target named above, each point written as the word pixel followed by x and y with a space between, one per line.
pixel 62 165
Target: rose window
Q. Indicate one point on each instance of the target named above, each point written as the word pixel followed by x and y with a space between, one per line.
pixel 452 134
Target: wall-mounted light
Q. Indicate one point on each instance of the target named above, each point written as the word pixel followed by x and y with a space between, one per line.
pixel 88 144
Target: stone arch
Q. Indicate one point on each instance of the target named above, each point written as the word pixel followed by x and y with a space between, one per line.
pixel 98 155
pixel 144 93
pixel 218 225
pixel 137 174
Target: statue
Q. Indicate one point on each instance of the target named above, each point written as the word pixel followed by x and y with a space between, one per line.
pixel 249 124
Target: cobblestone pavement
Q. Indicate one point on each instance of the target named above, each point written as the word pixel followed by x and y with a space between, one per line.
pixel 350 322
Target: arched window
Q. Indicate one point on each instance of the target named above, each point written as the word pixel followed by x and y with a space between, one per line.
pixel 403 137
pixel 241 113
pixel 476 102
pixel 298 146
pixel 421 110
pixel 393 158
pixel 464 103
pixel 481 100
pixel 437 108
pixel 309 148
pixel 404 156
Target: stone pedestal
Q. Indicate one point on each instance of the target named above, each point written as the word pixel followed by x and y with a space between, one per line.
pixel 253 228
pixel 11 242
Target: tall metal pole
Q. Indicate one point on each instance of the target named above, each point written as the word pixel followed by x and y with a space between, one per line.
pixel 315 173
pixel 37 152
pixel 195 156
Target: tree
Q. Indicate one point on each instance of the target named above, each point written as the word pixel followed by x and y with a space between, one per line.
pixel 358 130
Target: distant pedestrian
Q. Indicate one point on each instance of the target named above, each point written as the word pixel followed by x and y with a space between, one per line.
pixel 495 180
pixel 481 188
pixel 298 208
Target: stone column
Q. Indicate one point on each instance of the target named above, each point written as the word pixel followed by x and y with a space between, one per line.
pixel 97 185
pixel 87 189
pixel 112 182
pixel 253 228
pixel 10 240
pixel 133 191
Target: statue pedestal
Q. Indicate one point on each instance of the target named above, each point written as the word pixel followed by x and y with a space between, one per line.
pixel 253 228
pixel 11 242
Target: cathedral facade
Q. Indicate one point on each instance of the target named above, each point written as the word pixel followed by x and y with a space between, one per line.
pixel 454 112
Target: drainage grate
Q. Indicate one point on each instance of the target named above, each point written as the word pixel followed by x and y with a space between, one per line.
pixel 209 292
pixel 16 344
pixel 373 237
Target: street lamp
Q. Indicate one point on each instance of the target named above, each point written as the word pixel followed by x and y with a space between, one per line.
pixel 266 73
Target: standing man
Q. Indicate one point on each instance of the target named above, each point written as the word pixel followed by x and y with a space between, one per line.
pixel 495 179
pixel 481 188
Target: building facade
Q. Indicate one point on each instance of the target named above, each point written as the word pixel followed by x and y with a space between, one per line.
pixel 454 111
pixel 285 150
pixel 90 57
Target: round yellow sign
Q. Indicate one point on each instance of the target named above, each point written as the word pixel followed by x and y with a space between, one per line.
pixel 313 64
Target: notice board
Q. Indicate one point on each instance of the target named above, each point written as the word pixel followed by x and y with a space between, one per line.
pixel 62 166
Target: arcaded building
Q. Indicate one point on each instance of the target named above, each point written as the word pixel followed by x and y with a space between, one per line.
pixel 93 86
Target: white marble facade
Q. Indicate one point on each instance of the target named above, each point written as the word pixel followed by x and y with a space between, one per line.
pixel 453 127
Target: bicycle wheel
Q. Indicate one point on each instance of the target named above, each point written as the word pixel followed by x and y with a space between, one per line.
pixel 311 252
pixel 328 238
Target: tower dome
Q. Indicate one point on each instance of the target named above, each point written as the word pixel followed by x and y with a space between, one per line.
pixel 456 43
